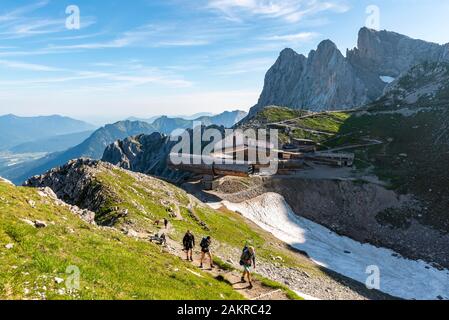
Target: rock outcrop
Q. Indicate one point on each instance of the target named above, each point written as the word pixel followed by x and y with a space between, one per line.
pixel 73 183
pixel 85 188
pixel 83 214
pixel 145 154
pixel 389 54
pixel 148 154
pixel 426 84
pixel 326 80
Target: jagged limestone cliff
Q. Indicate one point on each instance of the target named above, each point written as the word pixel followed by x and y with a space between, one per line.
pixel 326 80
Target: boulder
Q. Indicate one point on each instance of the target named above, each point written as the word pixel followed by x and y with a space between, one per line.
pixel 40 224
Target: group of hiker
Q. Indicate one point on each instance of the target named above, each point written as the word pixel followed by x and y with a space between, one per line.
pixel 247 259
pixel 160 239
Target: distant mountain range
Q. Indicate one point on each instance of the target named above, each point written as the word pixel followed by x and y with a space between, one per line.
pixel 327 80
pixel 52 144
pixel 185 117
pixel 226 119
pixel 94 146
pixel 16 130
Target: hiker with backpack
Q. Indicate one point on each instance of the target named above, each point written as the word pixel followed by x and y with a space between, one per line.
pixel 205 250
pixel 189 244
pixel 161 240
pixel 248 260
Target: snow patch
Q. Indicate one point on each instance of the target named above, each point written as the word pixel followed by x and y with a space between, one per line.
pixel 387 79
pixel 306 296
pixel 215 205
pixel 2 180
pixel 399 277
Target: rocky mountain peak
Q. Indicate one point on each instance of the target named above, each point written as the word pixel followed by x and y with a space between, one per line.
pixel 326 80
pixel 289 57
pixel 390 53
pixel 327 46
pixel 445 53
pixel 288 53
pixel 327 54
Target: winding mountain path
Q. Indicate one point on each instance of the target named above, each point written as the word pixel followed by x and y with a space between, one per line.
pixel 233 277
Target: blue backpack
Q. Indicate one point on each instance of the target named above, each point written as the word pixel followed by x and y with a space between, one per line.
pixel 246 256
pixel 204 243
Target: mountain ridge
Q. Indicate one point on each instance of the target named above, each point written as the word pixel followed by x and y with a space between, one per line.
pixel 52 144
pixel 327 80
pixel 15 130
pixel 92 147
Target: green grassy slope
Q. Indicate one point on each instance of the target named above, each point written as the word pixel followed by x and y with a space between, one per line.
pixel 300 124
pixel 412 159
pixel 112 265
pixel 277 114
pixel 148 199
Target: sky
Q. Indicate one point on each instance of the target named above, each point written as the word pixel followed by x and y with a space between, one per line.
pixel 150 57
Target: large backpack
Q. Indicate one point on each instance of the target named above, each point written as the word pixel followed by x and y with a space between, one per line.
pixel 204 243
pixel 188 240
pixel 246 256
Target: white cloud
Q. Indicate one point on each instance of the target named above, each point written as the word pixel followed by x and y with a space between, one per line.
pixel 182 43
pixel 144 36
pixel 120 79
pixel 314 8
pixel 27 66
pixel 19 12
pixel 32 27
pixel 246 66
pixel 296 37
pixel 36 26
pixel 264 47
pixel 36 52
pixel 18 24
pixel 78 37
pixel 288 10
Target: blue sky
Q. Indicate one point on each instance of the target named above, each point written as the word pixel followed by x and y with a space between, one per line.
pixel 149 57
